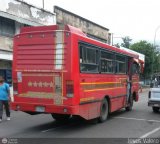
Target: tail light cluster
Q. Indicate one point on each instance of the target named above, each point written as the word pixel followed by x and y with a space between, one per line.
pixel 69 89
pixel 17 80
pixel 15 88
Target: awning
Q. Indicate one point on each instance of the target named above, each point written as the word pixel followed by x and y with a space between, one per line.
pixel 5 55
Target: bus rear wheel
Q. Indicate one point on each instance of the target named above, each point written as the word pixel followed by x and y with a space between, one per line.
pixel 61 117
pixel 103 111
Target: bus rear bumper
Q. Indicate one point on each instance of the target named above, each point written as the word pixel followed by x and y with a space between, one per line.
pixel 38 108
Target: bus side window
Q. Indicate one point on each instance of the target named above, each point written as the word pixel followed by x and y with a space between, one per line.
pixel 135 68
pixel 89 58
pixel 107 62
pixel 121 67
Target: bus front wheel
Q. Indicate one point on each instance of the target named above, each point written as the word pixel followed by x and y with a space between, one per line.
pixel 61 117
pixel 103 110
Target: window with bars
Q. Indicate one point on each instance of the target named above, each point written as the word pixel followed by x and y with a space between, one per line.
pixel 88 58
pixel 107 62
pixel 98 60
pixel 121 65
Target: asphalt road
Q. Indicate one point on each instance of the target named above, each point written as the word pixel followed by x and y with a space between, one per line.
pixel 141 122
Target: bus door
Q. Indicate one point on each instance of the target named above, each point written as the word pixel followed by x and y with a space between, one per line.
pixel 129 79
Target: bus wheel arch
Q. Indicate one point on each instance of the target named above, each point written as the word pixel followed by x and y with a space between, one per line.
pixel 104 109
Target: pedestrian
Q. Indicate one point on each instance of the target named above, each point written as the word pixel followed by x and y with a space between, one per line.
pixel 4 98
pixel 128 88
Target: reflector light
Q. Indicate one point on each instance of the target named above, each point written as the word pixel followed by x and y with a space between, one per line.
pixel 18 107
pixel 15 88
pixel 65 110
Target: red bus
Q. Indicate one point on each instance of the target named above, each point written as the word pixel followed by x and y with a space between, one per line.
pixel 60 71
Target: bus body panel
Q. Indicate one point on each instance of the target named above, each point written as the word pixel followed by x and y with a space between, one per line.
pixel 47 76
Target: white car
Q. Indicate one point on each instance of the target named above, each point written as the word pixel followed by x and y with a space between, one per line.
pixel 154 99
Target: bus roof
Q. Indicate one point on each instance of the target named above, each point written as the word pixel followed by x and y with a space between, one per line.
pixel 141 56
pixel 77 31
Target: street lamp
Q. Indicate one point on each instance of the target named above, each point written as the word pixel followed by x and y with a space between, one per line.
pixel 154 46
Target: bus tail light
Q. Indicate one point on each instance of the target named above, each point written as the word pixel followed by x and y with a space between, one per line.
pixel 15 88
pixel 69 89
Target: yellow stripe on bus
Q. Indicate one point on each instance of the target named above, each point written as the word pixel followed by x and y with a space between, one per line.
pixel 99 83
pixel 102 89
pixel 86 99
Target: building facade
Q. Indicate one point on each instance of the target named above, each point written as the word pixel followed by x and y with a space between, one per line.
pixel 92 29
pixel 15 14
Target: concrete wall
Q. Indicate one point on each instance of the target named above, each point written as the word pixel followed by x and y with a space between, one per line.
pixel 22 14
pixel 28 12
pixel 91 28
pixel 15 14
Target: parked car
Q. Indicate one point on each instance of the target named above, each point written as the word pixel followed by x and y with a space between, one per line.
pixel 154 99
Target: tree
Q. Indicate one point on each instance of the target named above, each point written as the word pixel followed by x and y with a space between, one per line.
pixel 117 45
pixel 152 57
pixel 126 42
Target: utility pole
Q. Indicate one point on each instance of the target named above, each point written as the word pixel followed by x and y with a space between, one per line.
pixel 154 47
pixel 112 38
pixel 43 3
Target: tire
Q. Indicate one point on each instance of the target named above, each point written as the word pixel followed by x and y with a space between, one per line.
pixel 61 117
pixel 130 104
pixel 155 109
pixel 104 110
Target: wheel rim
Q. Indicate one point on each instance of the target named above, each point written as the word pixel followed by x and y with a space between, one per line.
pixel 104 111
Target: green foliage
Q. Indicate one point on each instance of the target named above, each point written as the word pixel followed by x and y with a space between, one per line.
pixel 117 45
pixel 151 56
pixel 126 42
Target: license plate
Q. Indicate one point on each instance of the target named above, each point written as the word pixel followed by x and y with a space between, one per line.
pixel 40 109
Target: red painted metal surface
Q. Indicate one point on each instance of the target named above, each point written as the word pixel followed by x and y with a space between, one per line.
pixel 46 59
